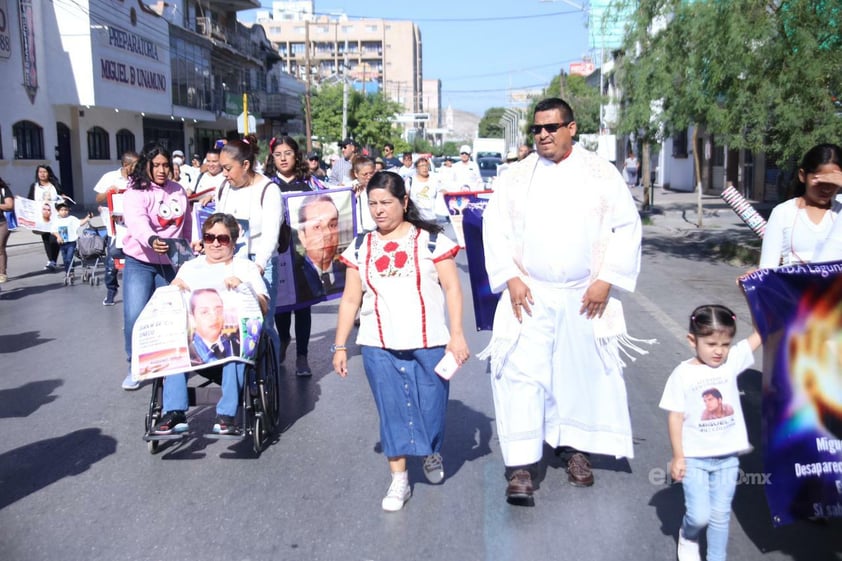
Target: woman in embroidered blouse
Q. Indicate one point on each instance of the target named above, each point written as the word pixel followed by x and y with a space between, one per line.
pixel 798 228
pixel 286 168
pixel 405 275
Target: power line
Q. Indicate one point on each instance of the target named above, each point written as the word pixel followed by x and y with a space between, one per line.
pixel 494 90
pixel 453 20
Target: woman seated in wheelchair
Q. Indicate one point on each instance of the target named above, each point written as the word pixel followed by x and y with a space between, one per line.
pixel 219 237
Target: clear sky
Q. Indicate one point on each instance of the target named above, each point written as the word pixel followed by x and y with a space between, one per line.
pixel 481 49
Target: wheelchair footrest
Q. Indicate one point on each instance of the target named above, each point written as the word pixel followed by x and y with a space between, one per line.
pixel 236 436
pixel 157 437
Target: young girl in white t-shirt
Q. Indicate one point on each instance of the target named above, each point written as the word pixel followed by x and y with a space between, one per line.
pixel 706 427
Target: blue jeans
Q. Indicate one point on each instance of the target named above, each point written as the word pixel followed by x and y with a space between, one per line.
pixel 709 485
pixel 67 249
pixel 175 390
pixel 110 270
pixel 411 399
pixel 140 279
pixel 271 282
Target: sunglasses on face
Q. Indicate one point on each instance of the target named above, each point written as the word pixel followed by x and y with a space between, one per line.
pixel 223 239
pixel 550 127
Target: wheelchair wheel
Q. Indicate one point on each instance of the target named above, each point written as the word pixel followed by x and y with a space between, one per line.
pixel 267 401
pixel 154 413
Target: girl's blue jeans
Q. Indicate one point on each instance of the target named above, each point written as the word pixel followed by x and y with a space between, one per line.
pixel 709 485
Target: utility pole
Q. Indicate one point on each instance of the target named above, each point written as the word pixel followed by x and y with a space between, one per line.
pixel 308 125
pixel 345 92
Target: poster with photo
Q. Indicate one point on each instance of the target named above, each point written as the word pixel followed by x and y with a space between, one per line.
pixel 323 225
pixel 457 202
pixel 180 331
pixel 797 310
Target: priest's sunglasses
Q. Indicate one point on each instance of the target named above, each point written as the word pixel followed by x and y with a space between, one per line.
pixel 550 127
pixel 223 239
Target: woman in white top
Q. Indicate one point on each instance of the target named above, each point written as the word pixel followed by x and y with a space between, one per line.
pixel 255 202
pixel 798 228
pixel 47 190
pixel 424 190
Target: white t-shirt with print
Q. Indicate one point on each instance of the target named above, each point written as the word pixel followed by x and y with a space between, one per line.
pixel 704 437
pixel 403 304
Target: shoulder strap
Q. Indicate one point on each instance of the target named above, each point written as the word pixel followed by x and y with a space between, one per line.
pixel 431 243
pixel 358 242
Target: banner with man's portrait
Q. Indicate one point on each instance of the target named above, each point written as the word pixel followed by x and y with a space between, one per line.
pixel 798 313
pixel 180 331
pixel 323 225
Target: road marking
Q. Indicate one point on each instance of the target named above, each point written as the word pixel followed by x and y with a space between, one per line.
pixel 660 316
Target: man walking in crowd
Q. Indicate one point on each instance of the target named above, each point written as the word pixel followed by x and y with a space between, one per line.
pixel 115 181
pixel 389 159
pixel 466 176
pixel 556 373
pixel 340 171
pixel 209 182
pixel 406 170
pixel 189 174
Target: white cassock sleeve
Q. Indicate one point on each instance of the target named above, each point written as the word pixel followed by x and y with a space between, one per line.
pixel 497 239
pixel 621 264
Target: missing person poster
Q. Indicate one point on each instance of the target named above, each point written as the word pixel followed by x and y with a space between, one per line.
pixel 180 331
pixel 322 224
pixel 798 313
pixel 457 202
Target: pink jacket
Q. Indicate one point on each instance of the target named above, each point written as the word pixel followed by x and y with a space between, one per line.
pixel 162 211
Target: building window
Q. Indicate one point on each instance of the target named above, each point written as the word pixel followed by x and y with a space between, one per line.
pixel 29 141
pixel 98 148
pixel 679 144
pixel 125 142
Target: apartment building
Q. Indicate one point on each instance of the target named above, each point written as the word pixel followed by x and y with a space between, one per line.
pixel 374 54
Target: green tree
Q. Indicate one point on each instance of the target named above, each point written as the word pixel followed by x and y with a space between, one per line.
pixel 369 116
pixel 489 125
pixel 762 76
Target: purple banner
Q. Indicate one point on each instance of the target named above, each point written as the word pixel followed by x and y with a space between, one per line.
pixel 798 313
pixel 469 208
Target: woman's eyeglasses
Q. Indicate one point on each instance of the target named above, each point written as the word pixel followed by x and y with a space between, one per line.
pixel 550 127
pixel 223 239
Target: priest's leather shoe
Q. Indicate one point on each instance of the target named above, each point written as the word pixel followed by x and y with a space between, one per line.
pixel 579 471
pixel 519 491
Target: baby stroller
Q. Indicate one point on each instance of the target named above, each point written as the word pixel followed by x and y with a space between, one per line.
pixel 90 248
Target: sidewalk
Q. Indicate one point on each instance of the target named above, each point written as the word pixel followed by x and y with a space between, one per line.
pixel 722 232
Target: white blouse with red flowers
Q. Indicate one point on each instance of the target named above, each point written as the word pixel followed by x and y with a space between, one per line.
pixel 403 304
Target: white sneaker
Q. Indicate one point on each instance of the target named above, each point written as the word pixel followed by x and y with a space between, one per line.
pixel 399 492
pixel 688 550
pixel 433 468
pixel 129 384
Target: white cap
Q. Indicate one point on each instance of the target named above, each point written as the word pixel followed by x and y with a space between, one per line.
pixel 177 153
pixel 464 149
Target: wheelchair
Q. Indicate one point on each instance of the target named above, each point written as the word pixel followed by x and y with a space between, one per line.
pixel 259 414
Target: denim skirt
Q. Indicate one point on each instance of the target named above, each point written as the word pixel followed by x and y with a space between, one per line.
pixel 411 399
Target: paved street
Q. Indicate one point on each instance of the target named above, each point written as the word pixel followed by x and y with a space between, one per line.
pixel 77 482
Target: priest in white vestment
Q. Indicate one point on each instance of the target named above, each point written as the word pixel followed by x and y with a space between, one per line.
pixel 562 236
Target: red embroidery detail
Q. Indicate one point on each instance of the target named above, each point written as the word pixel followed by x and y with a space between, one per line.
pixel 383 263
pixel 390 247
pixel 400 259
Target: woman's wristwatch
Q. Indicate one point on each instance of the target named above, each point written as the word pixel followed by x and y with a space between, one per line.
pixel 334 348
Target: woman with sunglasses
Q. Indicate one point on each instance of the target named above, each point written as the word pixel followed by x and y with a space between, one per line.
pixel 215 267
pixel 256 204
pixel 286 168
pixel 156 212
